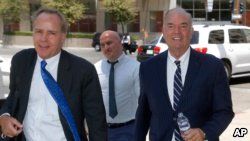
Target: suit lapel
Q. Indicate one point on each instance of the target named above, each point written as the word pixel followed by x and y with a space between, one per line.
pixel 26 83
pixel 193 69
pixel 64 77
pixel 162 75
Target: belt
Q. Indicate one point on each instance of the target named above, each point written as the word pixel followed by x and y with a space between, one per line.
pixel 117 125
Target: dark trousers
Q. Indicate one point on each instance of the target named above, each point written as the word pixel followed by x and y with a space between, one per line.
pixel 124 133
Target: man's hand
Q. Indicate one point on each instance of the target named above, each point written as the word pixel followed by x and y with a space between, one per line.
pixel 194 134
pixel 10 127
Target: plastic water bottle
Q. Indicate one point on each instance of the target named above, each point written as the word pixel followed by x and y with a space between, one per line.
pixel 183 123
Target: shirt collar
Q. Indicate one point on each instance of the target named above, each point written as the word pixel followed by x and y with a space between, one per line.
pixel 183 58
pixel 120 58
pixel 51 59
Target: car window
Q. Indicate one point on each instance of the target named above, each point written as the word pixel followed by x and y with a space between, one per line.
pixel 247 34
pixel 195 37
pixel 154 41
pixel 216 37
pixel 236 36
pixel 162 40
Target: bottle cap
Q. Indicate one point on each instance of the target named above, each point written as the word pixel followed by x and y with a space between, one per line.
pixel 180 114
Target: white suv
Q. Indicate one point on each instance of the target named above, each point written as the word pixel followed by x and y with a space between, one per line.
pixel 230 43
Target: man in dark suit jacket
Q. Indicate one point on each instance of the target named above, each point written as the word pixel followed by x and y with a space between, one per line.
pixel 30 113
pixel 205 97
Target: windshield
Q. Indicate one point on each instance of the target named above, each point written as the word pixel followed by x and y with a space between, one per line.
pixel 153 39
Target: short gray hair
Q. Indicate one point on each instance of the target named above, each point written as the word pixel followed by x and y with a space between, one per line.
pixel 64 23
pixel 179 10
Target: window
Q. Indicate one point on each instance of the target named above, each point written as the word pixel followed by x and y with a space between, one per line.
pixel 247 34
pixel 199 4
pixel 197 8
pixel 156 21
pixel 213 16
pixel 236 36
pixel 135 25
pixel 110 22
pixel 195 38
pixel 186 4
pixel 225 16
pixel 216 37
pixel 88 24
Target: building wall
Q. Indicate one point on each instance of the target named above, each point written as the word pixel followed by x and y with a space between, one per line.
pixel 100 16
pixel 143 6
pixel 148 8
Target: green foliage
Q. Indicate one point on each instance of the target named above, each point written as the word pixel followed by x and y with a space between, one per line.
pixel 135 37
pixel 10 9
pixel 72 9
pixel 123 11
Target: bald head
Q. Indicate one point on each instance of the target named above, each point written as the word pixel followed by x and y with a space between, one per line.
pixel 111 45
pixel 177 10
pixel 111 34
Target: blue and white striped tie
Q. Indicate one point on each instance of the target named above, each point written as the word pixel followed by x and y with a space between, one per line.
pixel 177 85
pixel 177 94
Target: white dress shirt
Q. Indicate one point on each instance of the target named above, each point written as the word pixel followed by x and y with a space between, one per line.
pixel 127 87
pixel 171 68
pixel 41 121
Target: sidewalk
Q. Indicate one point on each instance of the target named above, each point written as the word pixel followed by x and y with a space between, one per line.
pixel 241 120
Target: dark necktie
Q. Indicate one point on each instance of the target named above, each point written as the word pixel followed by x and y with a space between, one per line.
pixel 57 94
pixel 112 102
pixel 177 85
pixel 177 95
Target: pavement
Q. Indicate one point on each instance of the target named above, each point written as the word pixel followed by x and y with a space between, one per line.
pixel 241 120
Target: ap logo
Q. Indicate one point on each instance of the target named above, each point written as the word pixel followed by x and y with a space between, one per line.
pixel 240 132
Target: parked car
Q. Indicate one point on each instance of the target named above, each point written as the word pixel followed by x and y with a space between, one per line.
pixel 230 43
pixel 154 47
pixel 96 41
